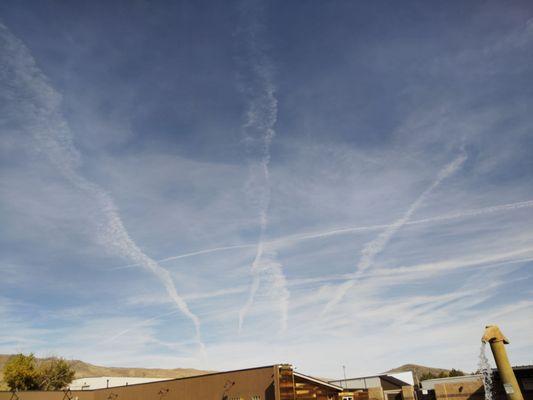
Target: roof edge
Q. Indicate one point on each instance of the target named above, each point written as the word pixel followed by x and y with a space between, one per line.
pixel 316 380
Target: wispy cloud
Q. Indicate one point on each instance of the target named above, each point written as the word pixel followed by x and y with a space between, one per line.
pixel 194 253
pixel 439 218
pixel 402 274
pixel 54 139
pixel 281 242
pixel 245 189
pixel 137 326
pixel 376 246
pixel 257 85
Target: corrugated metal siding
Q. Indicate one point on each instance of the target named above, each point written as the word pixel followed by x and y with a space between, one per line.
pixel 358 383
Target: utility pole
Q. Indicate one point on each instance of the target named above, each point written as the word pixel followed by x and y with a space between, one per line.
pixel 345 380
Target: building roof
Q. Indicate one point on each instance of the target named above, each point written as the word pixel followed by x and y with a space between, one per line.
pixel 429 384
pixel 100 382
pixel 521 367
pixel 387 377
pixel 316 380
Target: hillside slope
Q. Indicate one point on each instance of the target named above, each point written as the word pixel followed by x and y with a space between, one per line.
pixel 419 370
pixel 86 370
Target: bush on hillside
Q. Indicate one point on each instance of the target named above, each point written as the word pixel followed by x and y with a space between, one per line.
pixel 24 372
pixel 443 374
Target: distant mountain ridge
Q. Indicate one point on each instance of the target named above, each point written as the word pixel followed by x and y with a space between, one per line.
pixel 86 370
pixel 419 370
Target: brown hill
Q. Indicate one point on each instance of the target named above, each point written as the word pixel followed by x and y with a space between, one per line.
pixel 419 370
pixel 86 370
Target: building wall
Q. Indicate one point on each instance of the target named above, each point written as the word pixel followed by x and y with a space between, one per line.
pixel 388 385
pixel 358 395
pixel 359 383
pixel 234 385
pixel 408 393
pixel 372 382
pixel 285 388
pixel 265 383
pixel 38 395
pixel 460 391
pixel 308 390
pixel 454 389
pixel 376 393
pixel 429 384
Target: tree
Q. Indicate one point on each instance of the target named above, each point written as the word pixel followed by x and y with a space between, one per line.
pixel 456 372
pixel 442 374
pixel 426 376
pixel 55 374
pixel 23 372
pixel 20 373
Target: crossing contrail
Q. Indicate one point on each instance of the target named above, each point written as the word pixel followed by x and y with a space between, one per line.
pixel 136 326
pixel 258 88
pixel 40 105
pixel 376 246
pixel 192 254
pixel 279 242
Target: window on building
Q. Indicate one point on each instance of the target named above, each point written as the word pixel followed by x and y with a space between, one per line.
pixel 256 397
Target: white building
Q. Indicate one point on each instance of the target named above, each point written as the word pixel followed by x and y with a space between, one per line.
pixel 383 380
pixel 101 382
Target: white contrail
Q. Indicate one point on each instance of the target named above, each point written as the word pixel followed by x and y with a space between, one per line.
pixel 279 242
pixel 261 116
pixel 403 273
pixel 439 218
pixel 41 108
pixel 136 326
pixel 376 246
pixel 476 212
pixel 194 253
pixel 254 286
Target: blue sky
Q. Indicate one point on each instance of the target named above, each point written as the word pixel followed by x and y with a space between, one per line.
pixel 228 184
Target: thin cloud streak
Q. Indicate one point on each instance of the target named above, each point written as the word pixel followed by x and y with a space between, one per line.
pixel 400 274
pixel 403 273
pixel 54 139
pixel 441 218
pixel 136 326
pixel 285 240
pixel 261 116
pixel 376 246
pixel 192 254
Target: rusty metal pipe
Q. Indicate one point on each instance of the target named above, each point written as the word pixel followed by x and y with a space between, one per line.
pixel 495 338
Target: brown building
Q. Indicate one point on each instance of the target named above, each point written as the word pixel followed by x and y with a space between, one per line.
pixel 275 382
pixel 470 387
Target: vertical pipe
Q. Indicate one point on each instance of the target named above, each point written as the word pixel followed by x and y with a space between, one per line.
pixel 510 384
pixel 495 338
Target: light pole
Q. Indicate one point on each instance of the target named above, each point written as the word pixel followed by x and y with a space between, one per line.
pixel 345 380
